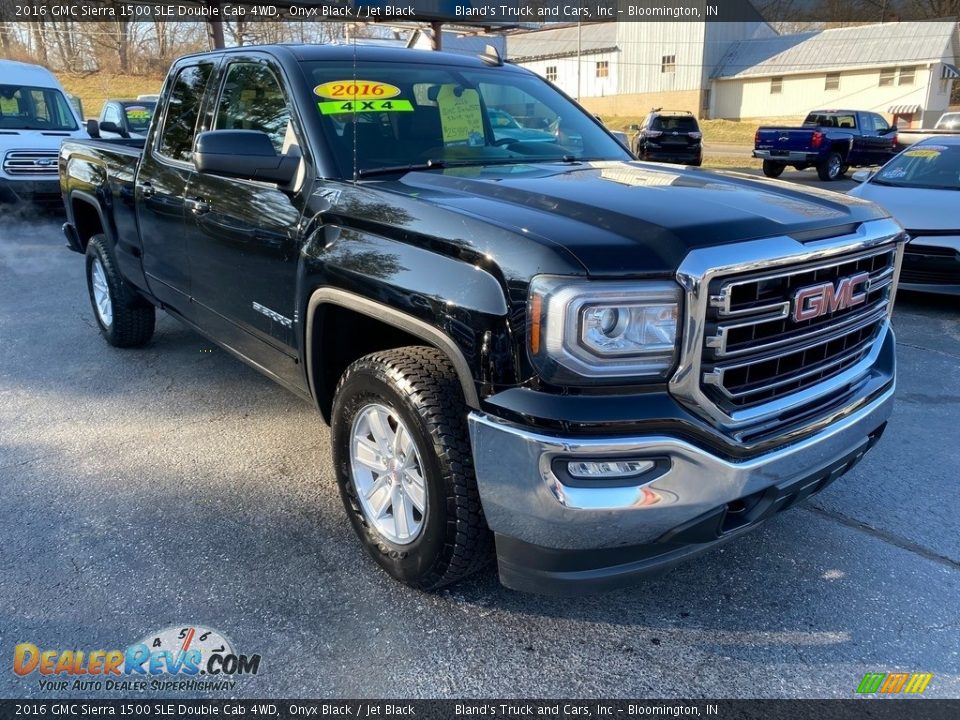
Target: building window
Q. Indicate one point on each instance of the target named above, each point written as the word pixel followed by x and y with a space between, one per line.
pixel 832 81
pixel 907 76
pixel 776 85
pixel 886 76
pixel 603 69
pixel 552 73
pixel 668 64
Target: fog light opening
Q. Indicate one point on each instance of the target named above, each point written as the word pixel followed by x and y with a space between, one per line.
pixel 608 469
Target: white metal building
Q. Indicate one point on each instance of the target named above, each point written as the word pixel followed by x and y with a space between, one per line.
pixel 904 70
pixel 745 69
pixel 628 67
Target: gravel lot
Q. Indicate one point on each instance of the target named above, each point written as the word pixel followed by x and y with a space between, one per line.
pixel 172 485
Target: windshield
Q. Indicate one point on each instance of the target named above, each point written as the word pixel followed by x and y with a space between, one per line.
pixel 399 115
pixel 138 115
pixel 34 108
pixel 923 166
pixel 949 121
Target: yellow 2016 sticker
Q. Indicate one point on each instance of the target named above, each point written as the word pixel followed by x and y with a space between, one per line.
pixel 928 154
pixel 356 90
pixel 336 107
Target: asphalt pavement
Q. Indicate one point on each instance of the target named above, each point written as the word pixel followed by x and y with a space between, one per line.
pixel 172 486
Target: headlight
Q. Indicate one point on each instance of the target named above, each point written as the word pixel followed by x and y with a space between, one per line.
pixel 591 330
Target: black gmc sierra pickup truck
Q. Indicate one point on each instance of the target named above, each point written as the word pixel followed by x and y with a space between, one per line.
pixel 533 347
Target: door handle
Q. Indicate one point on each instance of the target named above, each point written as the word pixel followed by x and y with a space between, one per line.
pixel 146 189
pixel 198 206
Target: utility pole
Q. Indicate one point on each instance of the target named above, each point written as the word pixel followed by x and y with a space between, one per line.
pixel 579 47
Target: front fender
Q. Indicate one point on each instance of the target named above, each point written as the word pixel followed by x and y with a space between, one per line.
pixel 447 302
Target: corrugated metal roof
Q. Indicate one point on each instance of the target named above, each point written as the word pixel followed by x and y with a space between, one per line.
pixel 561 42
pixel 838 49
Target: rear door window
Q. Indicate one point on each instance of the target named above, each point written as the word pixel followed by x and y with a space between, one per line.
pixel 183 111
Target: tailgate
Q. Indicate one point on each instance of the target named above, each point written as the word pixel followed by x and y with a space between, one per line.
pixel 785 140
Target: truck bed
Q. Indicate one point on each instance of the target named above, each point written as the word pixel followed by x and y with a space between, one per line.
pixel 106 168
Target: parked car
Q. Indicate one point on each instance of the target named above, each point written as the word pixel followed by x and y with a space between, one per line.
pixel 671 136
pixel 126 118
pixel 506 128
pixel 596 366
pixel 832 141
pixel 921 188
pixel 35 117
pixel 948 121
pixel 621 137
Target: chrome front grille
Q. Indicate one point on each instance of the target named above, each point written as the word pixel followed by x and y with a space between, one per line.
pixel 755 351
pixel 753 371
pixel 30 162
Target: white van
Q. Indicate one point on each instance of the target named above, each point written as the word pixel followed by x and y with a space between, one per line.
pixel 35 117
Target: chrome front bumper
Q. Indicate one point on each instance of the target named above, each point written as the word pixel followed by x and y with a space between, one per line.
pixel 526 502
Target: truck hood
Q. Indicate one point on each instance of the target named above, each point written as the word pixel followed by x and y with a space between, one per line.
pixel 622 218
pixel 37 139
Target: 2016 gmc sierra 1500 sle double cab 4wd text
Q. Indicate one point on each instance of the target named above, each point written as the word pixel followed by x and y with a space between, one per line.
pixel 586 365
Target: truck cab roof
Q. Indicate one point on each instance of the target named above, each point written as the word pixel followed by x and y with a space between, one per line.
pixel 307 52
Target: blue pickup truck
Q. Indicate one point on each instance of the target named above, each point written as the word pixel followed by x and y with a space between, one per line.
pixel 832 141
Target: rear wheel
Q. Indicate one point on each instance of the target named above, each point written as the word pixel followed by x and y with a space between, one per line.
pixel 773 169
pixel 405 469
pixel 831 168
pixel 124 317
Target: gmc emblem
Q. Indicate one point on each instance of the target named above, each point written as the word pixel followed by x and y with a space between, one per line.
pixel 816 300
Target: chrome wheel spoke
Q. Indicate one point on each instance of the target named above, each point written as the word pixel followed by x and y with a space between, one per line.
pixel 380 430
pixel 415 488
pixel 402 514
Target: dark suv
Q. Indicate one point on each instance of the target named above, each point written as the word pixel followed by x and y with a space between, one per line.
pixel 671 136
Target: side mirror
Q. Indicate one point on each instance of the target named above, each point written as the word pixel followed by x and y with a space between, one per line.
pixel 862 176
pixel 93 129
pixel 244 154
pixel 112 127
pixel 636 128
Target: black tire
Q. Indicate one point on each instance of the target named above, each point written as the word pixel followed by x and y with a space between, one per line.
pixel 831 168
pixel 844 169
pixel 773 169
pixel 133 318
pixel 420 385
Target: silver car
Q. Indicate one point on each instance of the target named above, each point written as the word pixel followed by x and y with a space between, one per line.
pixel 920 187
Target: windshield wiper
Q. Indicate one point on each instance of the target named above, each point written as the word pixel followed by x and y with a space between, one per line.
pixel 391 169
pixel 479 162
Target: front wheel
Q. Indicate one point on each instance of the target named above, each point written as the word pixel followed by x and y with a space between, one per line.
pixel 404 466
pixel 831 168
pixel 773 169
pixel 124 317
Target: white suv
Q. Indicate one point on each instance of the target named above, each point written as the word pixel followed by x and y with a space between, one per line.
pixel 35 117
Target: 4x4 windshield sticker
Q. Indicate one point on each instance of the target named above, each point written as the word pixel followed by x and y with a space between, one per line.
pixel 336 107
pixel 356 90
pixel 460 115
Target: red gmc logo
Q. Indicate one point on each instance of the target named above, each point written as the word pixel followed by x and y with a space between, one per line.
pixel 816 300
